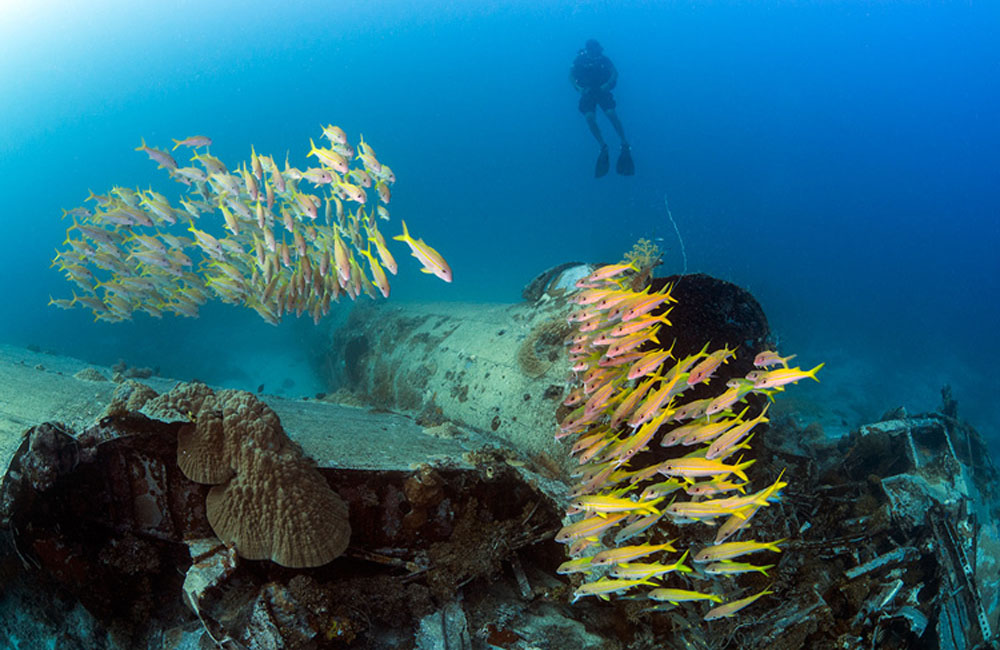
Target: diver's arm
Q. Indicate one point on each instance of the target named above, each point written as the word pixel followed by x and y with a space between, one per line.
pixel 572 80
pixel 612 80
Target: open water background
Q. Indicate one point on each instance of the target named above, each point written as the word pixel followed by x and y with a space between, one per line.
pixel 838 159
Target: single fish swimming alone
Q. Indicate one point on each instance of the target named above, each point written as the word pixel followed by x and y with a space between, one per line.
pixel 432 260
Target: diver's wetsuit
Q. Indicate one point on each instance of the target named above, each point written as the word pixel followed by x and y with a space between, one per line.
pixel 591 72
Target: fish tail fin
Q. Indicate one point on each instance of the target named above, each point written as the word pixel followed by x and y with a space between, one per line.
pixel 812 373
pixel 739 467
pixel 141 147
pixel 740 513
pixel 405 235
pixel 177 143
pixel 650 507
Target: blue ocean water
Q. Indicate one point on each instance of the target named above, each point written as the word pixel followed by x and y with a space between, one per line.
pixel 838 159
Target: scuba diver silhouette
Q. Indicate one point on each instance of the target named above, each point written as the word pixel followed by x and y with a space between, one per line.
pixel 593 75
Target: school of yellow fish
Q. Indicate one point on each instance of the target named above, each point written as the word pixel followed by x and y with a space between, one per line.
pixel 627 399
pixel 276 240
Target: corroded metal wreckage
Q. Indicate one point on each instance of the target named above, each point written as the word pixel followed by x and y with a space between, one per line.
pixel 447 540
pixel 112 516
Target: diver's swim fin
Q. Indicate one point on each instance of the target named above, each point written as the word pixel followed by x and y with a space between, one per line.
pixel 625 166
pixel 602 163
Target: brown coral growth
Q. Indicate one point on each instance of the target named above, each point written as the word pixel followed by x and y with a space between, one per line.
pixel 279 508
pixel 268 500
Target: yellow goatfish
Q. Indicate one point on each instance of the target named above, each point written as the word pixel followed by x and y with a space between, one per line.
pixel 729 550
pixel 783 376
pixel 328 157
pixel 351 192
pixel 639 570
pixel 727 441
pixel 601 505
pixel 579 565
pixel 629 403
pixel 759 498
pixel 681 596
pixel 732 395
pixel 629 553
pixel 378 275
pixel 193 142
pixel 698 467
pixel 430 258
pixel 335 134
pixel 735 524
pixel 723 611
pixel 709 488
pixel 707 367
pixel 605 586
pixel 771 358
pixel 732 568
pixel 589 528
pixel 162 158
pixel 383 253
pixel 701 510
pixel 606 272
pixel 636 527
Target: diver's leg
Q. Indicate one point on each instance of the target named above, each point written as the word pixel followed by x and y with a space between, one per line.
pixel 625 166
pixel 615 122
pixel 592 124
pixel 601 167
